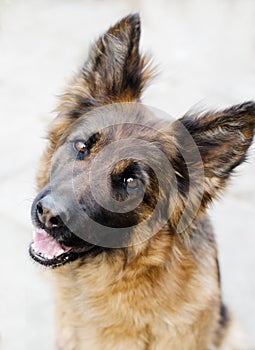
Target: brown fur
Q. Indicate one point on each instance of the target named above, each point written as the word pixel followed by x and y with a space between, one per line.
pixel 165 292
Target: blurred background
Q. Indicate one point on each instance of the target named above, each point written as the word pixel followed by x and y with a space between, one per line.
pixel 205 50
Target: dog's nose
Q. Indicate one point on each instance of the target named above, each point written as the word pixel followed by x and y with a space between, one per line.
pixel 47 213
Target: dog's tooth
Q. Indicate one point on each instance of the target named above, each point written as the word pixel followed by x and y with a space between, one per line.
pixel 49 257
pixel 61 251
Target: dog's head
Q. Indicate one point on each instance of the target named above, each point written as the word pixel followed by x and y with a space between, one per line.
pixel 116 173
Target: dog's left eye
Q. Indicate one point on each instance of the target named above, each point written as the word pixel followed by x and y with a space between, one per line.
pixel 131 183
pixel 81 148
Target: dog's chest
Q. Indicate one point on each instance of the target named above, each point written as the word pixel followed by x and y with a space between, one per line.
pixel 131 315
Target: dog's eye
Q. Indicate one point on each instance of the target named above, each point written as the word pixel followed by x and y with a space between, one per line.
pixel 81 148
pixel 131 183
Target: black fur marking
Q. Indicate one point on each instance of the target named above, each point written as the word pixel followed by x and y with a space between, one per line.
pixel 224 316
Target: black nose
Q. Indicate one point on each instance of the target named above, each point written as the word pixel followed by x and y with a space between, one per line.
pixel 47 214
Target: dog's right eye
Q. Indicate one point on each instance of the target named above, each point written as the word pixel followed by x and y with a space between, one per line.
pixel 81 148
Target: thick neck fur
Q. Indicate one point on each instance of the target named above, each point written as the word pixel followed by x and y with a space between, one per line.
pixel 103 303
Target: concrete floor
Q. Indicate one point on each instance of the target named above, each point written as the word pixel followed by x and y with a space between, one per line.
pixel 206 53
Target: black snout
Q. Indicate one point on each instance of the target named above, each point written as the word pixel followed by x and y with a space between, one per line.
pixel 53 217
pixel 47 214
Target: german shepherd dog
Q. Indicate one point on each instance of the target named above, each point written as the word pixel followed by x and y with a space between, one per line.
pixel 120 216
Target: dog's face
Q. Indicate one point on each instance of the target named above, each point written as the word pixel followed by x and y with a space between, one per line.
pixel 116 173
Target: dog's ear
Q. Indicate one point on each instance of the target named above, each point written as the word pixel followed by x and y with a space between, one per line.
pixel 222 139
pixel 114 71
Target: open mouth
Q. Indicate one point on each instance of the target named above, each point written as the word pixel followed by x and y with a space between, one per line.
pixel 45 250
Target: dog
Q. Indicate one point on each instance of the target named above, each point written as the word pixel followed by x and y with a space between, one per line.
pixel 120 216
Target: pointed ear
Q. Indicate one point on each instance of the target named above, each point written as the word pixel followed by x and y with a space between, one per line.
pixel 222 139
pixel 114 71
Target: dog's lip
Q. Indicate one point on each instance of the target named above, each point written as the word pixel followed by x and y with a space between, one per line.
pixel 45 250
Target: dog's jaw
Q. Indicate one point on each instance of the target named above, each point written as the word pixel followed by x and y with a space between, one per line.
pixel 45 250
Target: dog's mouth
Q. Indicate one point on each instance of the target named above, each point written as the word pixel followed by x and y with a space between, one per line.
pixel 45 250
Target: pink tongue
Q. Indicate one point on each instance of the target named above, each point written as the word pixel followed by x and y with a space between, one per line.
pixel 47 245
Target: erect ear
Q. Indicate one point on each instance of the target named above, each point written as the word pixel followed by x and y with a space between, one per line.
pixel 114 71
pixel 222 139
pixel 115 68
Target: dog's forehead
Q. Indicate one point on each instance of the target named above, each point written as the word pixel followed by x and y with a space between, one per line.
pixel 120 121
